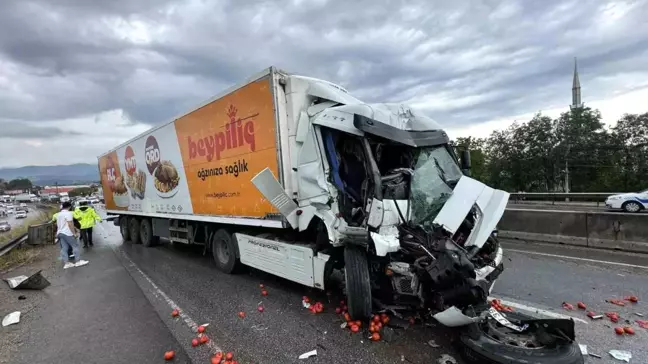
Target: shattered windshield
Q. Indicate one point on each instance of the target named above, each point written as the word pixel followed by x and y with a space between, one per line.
pixel 435 175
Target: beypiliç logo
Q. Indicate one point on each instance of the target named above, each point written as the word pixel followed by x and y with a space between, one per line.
pixel 238 133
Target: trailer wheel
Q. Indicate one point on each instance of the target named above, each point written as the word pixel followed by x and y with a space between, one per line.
pixel 358 284
pixel 224 251
pixel 123 228
pixel 146 233
pixel 134 230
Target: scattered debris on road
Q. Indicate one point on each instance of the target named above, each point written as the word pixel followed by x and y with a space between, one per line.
pixel 642 323
pixel 583 349
pixel 446 359
pixel 621 355
pixel 10 319
pixel 175 313
pixel 169 355
pixel 615 301
pixel 567 306
pixel 308 354
pixel 632 299
pixel 433 344
pixel 241 314
pixel 35 281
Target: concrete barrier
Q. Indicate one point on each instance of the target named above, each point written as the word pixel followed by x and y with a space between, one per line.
pixel 605 230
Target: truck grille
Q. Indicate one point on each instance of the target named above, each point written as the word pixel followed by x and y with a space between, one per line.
pixel 403 285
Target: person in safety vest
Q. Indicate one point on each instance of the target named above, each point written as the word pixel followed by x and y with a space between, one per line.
pixel 87 217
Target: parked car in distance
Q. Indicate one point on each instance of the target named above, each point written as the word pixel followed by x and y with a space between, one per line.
pixel 628 202
pixel 21 214
pixel 22 204
pixel 10 210
pixel 4 226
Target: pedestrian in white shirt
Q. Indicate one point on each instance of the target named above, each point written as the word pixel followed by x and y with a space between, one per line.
pixel 67 234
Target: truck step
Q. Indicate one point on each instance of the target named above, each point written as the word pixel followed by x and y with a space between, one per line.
pixel 178 240
pixel 179 229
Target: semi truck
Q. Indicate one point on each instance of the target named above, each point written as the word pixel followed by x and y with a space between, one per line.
pixel 294 176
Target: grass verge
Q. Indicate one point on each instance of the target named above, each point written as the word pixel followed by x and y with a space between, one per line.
pixel 17 257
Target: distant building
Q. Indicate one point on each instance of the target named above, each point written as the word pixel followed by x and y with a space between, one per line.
pixel 61 189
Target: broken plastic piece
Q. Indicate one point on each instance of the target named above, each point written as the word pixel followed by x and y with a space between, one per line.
pixel 621 355
pixel 35 281
pixel 446 359
pixel 433 344
pixel 10 319
pixel 594 355
pixel 583 349
pixel 308 354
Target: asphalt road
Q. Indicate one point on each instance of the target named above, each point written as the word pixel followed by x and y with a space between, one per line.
pixel 537 280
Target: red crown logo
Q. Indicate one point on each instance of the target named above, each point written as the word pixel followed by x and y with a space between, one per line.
pixel 231 113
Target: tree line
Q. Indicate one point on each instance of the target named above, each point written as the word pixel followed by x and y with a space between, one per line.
pixel 543 153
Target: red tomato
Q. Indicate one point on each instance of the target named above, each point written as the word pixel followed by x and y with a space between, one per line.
pixel 260 308
pixel 194 342
pixel 385 320
pixel 201 329
pixel 169 355
pixel 345 308
pixel 375 336
pixel 229 356
pixel 204 339
pixel 216 359
pixel 264 293
pixel 261 285
pixel 618 330
pixel 338 310
pixel 306 299
pixel 175 313
pixel 241 314
pixel 347 317
pixel 581 305
pixel 358 323
pixel 355 328
pixel 629 330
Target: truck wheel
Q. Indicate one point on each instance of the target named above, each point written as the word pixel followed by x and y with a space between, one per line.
pixel 146 233
pixel 123 228
pixel 490 342
pixel 224 251
pixel 134 230
pixel 358 284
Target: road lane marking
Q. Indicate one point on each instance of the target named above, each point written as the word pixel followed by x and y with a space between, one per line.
pixel 540 311
pixel 576 258
pixel 184 316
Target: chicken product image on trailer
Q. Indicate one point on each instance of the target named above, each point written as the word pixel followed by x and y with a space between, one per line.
pixel 294 176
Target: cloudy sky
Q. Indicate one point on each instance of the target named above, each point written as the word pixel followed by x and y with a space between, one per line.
pixel 78 77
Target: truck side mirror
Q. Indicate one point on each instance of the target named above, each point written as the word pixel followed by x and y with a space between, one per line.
pixel 465 161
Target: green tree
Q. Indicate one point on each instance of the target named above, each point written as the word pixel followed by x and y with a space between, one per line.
pixel 20 184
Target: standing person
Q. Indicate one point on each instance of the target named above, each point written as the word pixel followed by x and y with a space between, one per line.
pixel 76 224
pixel 87 217
pixel 66 233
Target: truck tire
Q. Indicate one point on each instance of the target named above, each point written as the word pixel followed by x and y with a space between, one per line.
pixel 146 233
pixel 224 251
pixel 134 230
pixel 123 228
pixel 490 343
pixel 358 283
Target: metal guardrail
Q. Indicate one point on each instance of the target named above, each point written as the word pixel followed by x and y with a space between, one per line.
pixel 12 244
pixel 553 198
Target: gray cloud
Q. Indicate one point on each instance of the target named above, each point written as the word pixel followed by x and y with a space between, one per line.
pixel 483 59
pixel 24 130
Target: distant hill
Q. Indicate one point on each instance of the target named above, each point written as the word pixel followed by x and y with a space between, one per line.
pixel 48 175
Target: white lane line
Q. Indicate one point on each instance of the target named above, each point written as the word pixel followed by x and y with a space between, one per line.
pixel 185 317
pixel 576 258
pixel 540 311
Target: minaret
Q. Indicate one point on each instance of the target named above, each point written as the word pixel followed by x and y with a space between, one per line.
pixel 576 88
